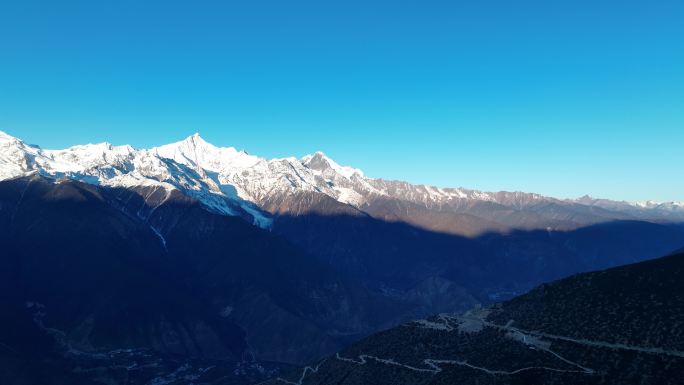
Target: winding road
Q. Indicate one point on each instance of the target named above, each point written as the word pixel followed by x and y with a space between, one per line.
pixel 470 323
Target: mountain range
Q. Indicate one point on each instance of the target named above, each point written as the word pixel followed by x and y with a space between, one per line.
pixel 190 261
pixel 232 182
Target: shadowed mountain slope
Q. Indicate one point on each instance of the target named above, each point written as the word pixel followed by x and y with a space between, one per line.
pixel 618 326
pixel 396 258
pixel 99 270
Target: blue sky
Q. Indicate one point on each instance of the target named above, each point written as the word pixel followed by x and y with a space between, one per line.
pixel 558 97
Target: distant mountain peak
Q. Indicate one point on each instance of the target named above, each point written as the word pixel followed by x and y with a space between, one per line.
pixel 318 161
pixel 197 140
pixel 193 141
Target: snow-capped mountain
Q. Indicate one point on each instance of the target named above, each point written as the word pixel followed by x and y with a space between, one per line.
pixel 111 240
pixel 222 178
pixel 234 182
pixel 123 166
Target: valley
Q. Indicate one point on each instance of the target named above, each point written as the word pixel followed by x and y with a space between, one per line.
pixel 193 262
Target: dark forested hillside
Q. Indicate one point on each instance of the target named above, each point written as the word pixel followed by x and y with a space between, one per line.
pixel 619 326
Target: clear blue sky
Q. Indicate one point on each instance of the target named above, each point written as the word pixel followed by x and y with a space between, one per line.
pixel 558 97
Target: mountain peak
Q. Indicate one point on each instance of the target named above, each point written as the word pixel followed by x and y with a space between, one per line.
pixel 196 152
pixel 193 148
pixel 585 199
pixel 196 140
pixel 320 162
pixel 6 138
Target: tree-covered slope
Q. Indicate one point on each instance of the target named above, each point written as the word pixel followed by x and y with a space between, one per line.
pixel 624 325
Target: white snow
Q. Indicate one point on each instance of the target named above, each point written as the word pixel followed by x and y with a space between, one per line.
pixel 345 171
pixel 228 181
